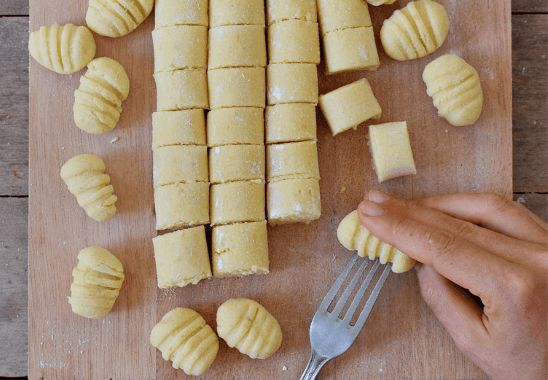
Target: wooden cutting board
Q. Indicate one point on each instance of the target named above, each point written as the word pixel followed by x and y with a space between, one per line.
pixel 401 340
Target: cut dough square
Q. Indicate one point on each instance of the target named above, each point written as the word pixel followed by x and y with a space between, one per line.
pixel 350 50
pixel 237 87
pixel 180 47
pixel 349 106
pixel 391 150
pixel 181 12
pixel 236 202
pixel 290 122
pixel 342 14
pixel 293 201
pixel 181 258
pixel 292 160
pixel 185 127
pixel 180 163
pixel 181 89
pixel 237 46
pixel 236 12
pixel 181 205
pixel 294 41
pixel 240 249
pixel 292 83
pixel 282 10
pixel 236 163
pixel 233 126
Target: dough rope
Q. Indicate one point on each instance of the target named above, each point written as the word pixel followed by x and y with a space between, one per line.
pixel 117 18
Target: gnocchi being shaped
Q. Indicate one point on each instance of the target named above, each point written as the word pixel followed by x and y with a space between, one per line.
pixel 455 87
pixel 355 237
pixel 248 326
pixel 415 31
pixel 98 99
pixel 116 18
pixel 86 179
pixel 96 282
pixel 64 49
pixel 184 338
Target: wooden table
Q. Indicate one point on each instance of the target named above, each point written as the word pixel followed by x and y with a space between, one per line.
pixel 530 39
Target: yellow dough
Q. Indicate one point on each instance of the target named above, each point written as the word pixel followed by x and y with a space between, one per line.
pixel 376 3
pixel 391 150
pixel 294 41
pixel 293 201
pixel 292 83
pixel 236 163
pixel 233 126
pixel 98 99
pixel 181 89
pixel 237 202
pixel 180 47
pixel 237 87
pixel 181 12
pixel 180 163
pixel 184 338
pixel 96 282
pixel 236 12
pixel 237 46
pixel 181 205
pixel 348 106
pixel 290 122
pixel 292 160
pixel 240 249
pixel 181 258
pixel 355 237
pixel 185 127
pixel 350 50
pixel 455 88
pixel 117 18
pixel 415 31
pixel 342 14
pixel 86 179
pixel 248 326
pixel 282 10
pixel 64 49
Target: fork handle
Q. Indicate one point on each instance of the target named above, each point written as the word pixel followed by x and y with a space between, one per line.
pixel 315 364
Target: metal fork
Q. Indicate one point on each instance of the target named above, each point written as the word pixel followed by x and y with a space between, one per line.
pixel 331 334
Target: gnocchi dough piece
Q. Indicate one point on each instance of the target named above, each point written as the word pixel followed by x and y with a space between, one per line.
pixel 184 338
pixel 240 249
pixel 181 205
pixel 236 163
pixel 181 89
pixel 181 258
pixel 292 83
pixel 234 126
pixel 237 87
pixel 186 127
pixel 237 46
pixel 117 18
pixel 237 202
pixel 290 122
pixel 236 12
pixel 282 10
pixel 350 50
pixel 391 150
pixel 376 3
pixel 455 87
pixel 64 49
pixel 96 282
pixel 292 160
pixel 293 201
pixel 98 99
pixel 86 179
pixel 415 31
pixel 180 47
pixel 248 326
pixel 181 12
pixel 355 237
pixel 294 41
pixel 180 164
pixel 348 106
pixel 342 14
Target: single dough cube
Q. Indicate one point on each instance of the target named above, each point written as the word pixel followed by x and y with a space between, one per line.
pixel 237 202
pixel 391 150
pixel 237 87
pixel 186 127
pixel 348 106
pixel 292 83
pixel 237 46
pixel 292 160
pixel 96 282
pixel 181 258
pixel 184 337
pixel 294 41
pixel 342 14
pixel 290 122
pixel 248 326
pixel 181 89
pixel 240 249
pixel 236 163
pixel 180 164
pixel 117 18
pixel 181 205
pixel 293 201
pixel 181 12
pixel 234 126
pixel 282 10
pixel 350 50
pixel 236 12
pixel 180 47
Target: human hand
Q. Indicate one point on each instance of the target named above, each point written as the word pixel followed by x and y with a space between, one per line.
pixel 481 244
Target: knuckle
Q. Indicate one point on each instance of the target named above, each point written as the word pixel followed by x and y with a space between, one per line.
pixel 441 242
pixel 465 229
pixel 401 227
pixel 523 289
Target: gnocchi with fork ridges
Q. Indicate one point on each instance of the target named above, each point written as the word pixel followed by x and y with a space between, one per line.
pixel 116 18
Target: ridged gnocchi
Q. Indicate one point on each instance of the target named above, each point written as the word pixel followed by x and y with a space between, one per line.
pixel 98 99
pixel 455 87
pixel 248 326
pixel 86 179
pixel 184 338
pixel 64 49
pixel 96 283
pixel 355 237
pixel 116 18
pixel 415 31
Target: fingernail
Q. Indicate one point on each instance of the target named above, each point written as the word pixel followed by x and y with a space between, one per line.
pixel 371 209
pixel 378 196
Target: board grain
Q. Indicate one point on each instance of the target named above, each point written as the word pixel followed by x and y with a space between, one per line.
pixel 402 339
